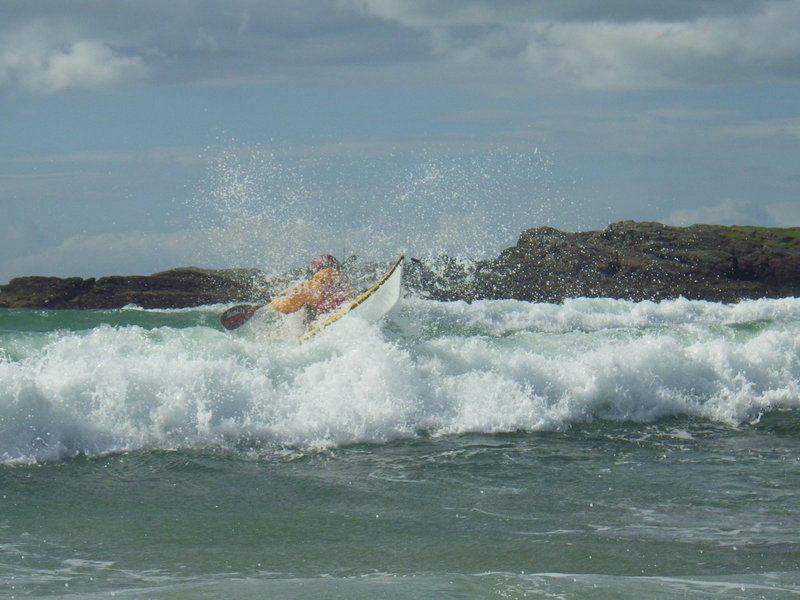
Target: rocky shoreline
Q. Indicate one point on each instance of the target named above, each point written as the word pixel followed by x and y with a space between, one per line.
pixel 628 260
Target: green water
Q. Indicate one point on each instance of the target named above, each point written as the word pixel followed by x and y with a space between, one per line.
pixel 633 504
pixel 498 450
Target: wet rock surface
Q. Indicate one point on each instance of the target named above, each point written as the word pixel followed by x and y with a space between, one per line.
pixel 630 260
pixel 177 288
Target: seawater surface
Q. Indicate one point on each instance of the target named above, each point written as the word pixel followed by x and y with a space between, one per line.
pixel 592 449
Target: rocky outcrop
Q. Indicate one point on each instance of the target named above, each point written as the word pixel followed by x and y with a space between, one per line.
pixel 178 288
pixel 636 261
pixel 629 260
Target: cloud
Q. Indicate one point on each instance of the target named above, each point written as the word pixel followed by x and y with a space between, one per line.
pixel 788 128
pixel 156 155
pixel 509 47
pixel 109 254
pixel 426 13
pixel 620 48
pixel 726 212
pixel 739 212
pixel 784 214
pixel 39 61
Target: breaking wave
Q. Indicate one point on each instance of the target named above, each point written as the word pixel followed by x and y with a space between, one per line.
pixel 162 380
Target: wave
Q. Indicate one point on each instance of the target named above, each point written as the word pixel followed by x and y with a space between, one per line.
pixel 433 368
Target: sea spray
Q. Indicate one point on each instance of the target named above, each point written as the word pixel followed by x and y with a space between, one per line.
pixel 430 369
pixel 273 209
pixel 255 209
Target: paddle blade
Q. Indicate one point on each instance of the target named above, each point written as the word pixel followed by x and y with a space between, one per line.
pixel 238 315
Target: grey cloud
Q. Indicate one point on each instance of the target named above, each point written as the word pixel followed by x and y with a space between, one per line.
pixel 425 13
pixel 727 212
pixel 621 47
pixel 505 47
pixel 42 58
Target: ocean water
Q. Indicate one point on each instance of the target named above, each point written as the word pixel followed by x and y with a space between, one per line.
pixel 592 449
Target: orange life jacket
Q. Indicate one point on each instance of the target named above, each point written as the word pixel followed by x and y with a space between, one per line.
pixel 322 293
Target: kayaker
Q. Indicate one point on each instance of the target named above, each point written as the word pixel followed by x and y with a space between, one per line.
pixel 322 293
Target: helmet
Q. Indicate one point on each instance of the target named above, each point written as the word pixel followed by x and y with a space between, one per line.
pixel 326 261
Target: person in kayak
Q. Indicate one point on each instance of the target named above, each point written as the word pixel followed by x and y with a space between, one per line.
pixel 320 294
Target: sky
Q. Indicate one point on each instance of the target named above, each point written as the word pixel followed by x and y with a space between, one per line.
pixel 142 135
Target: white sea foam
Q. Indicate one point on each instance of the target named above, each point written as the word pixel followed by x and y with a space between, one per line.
pixel 435 367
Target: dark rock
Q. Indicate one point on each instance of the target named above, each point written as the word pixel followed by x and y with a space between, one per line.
pixel 178 288
pixel 639 261
pixel 443 278
pixel 630 260
pixel 42 292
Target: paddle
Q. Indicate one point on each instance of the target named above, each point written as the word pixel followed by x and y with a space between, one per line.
pixel 238 315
